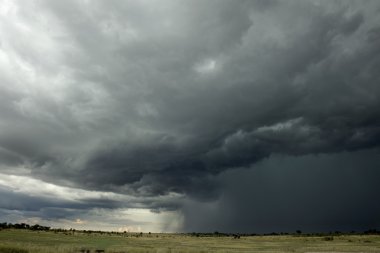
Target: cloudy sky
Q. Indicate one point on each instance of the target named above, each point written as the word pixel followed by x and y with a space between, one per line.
pixel 228 115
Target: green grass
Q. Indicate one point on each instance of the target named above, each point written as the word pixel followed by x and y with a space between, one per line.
pixel 4 249
pixel 22 241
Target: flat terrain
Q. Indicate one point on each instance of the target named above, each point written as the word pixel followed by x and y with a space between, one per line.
pixel 22 241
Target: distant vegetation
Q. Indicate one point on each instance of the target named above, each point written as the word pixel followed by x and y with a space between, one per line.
pixel 37 227
pixel 5 225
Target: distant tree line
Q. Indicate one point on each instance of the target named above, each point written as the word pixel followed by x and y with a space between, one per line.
pixel 5 225
pixel 70 231
pixel 36 227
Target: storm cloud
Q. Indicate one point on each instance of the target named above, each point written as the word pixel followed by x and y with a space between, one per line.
pixel 156 101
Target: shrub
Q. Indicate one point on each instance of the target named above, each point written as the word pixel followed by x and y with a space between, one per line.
pixel 328 238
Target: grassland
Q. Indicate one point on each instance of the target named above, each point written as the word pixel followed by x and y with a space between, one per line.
pixel 22 241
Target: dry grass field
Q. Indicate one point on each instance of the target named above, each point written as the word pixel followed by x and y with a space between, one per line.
pixel 22 241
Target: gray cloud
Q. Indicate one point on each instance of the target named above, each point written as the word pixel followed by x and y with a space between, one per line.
pixel 148 99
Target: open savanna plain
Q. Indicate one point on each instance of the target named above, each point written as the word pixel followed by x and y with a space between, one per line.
pixel 23 241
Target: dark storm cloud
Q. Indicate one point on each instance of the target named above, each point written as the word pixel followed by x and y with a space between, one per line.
pixel 309 94
pixel 150 98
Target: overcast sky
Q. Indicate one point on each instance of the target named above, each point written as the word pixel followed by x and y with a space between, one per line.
pixel 227 115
